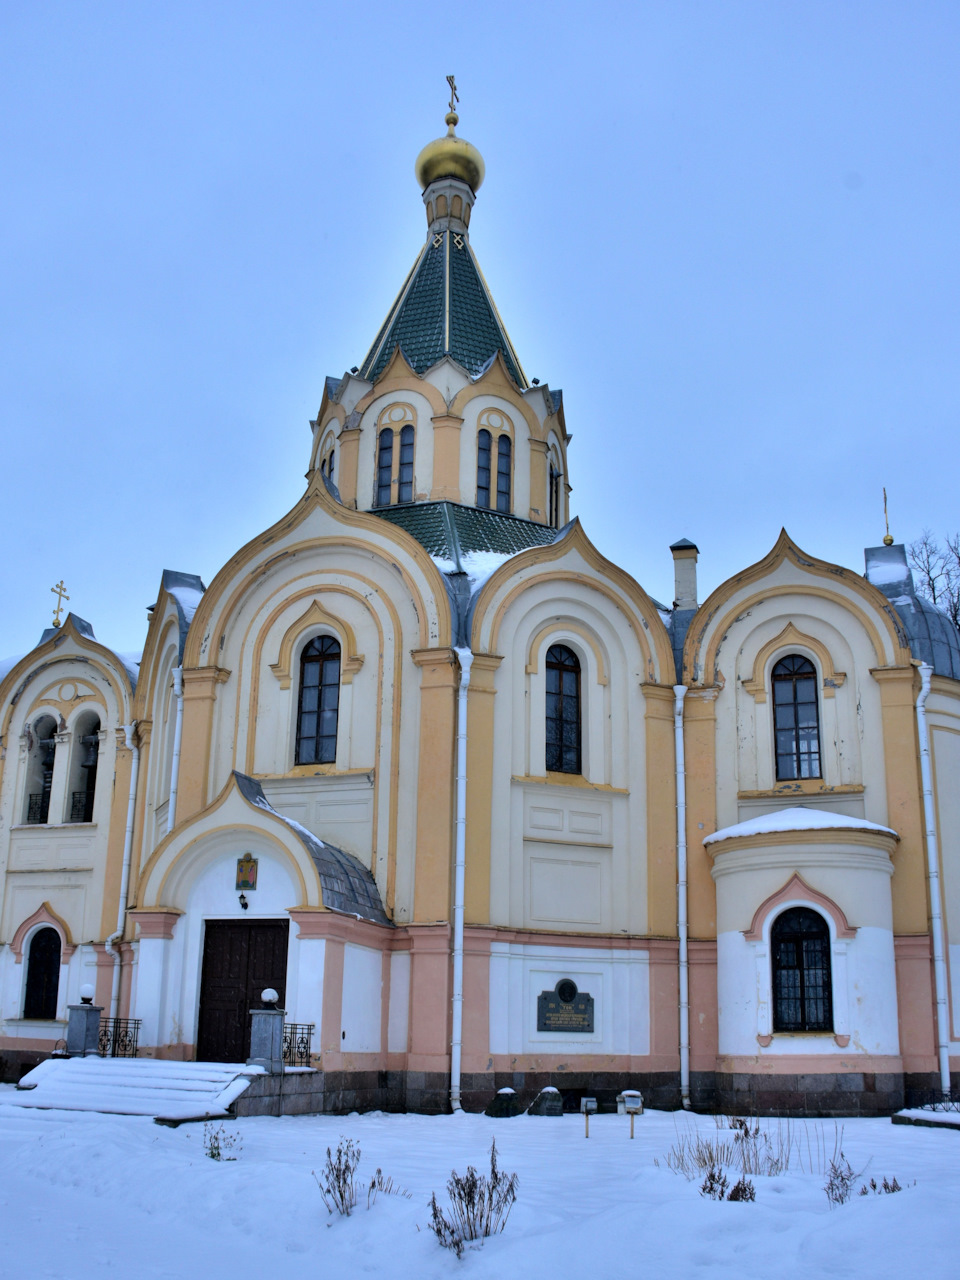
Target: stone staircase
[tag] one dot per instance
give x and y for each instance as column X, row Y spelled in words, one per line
column 169, row 1091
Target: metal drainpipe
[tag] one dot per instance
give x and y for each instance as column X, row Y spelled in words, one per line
column 129, row 730
column 679, row 693
column 177, row 734
column 465, row 658
column 933, row 879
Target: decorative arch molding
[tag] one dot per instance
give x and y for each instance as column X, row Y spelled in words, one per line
column 791, row 638
column 643, row 618
column 241, row 573
column 230, row 812
column 559, row 628
column 398, row 375
column 497, row 382
column 317, row 616
column 66, row 697
column 44, row 916
column 797, row 892
column 697, row 672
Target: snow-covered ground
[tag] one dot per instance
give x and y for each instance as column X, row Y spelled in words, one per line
column 85, row 1196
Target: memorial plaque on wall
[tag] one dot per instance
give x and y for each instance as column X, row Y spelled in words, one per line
column 565, row 1009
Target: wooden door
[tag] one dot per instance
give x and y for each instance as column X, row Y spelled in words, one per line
column 240, row 959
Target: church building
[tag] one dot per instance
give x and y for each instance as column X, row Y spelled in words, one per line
column 481, row 811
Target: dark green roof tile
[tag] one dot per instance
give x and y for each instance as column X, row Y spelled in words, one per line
column 445, row 285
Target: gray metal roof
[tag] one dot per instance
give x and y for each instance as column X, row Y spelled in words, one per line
column 931, row 634
column 346, row 884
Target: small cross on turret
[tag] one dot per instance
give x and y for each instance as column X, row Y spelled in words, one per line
column 60, row 591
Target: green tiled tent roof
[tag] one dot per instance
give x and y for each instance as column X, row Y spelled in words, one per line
column 449, row 530
column 443, row 309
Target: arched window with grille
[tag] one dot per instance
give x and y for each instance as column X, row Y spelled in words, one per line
column 483, row 468
column 796, row 718
column 405, row 475
column 503, row 474
column 563, row 710
column 554, row 495
column 802, row 987
column 43, row 975
column 384, row 467
column 319, row 702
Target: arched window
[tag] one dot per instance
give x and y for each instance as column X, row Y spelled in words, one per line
column 319, row 702
column 554, row 496
column 384, row 467
column 83, row 768
column 563, row 710
column 503, row 474
column 43, row 975
column 42, row 744
column 802, row 991
column 405, row 477
column 796, row 719
column 483, row 468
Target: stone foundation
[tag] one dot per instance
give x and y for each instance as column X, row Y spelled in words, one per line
column 842, row 1093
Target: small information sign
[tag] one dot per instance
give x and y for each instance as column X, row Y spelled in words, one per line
column 565, row 1009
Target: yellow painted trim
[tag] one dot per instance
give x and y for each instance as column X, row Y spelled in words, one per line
column 645, row 622
column 784, row 548
column 317, row 616
column 215, row 600
column 561, row 624
column 803, row 787
column 790, row 638
column 398, row 375
column 497, row 382
column 568, row 780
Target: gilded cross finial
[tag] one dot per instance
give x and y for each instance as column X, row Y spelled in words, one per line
column 60, row 591
column 887, row 537
column 454, row 96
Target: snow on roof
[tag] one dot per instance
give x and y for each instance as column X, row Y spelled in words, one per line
column 797, row 818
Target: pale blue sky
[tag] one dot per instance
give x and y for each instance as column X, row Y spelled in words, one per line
column 727, row 230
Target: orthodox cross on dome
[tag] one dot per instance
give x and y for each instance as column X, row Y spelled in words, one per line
column 454, row 96
column 887, row 537
column 60, row 591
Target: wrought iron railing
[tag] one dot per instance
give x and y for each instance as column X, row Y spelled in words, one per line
column 118, row 1037
column 296, row 1043
column 38, row 806
column 81, row 806
column 934, row 1101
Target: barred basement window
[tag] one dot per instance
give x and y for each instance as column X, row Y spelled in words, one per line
column 43, row 975
column 802, row 987
column 319, row 702
column 563, row 710
column 796, row 718
column 483, row 468
column 503, row 474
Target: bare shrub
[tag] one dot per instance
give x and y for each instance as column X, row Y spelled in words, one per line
column 479, row 1206
column 218, row 1144
column 840, row 1179
column 754, row 1149
column 743, row 1190
column 714, row 1185
column 886, row 1188
column 336, row 1183
column 379, row 1183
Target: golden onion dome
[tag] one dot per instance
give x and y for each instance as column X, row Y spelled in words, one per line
column 450, row 157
